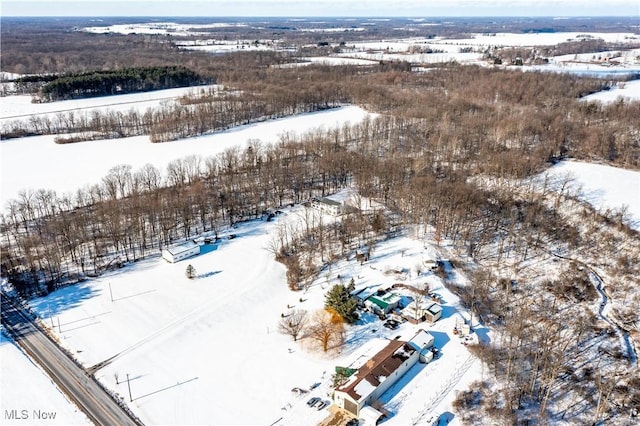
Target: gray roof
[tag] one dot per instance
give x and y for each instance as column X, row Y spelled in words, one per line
column 329, row 201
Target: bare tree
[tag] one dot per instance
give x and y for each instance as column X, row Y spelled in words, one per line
column 419, row 293
column 327, row 328
column 293, row 323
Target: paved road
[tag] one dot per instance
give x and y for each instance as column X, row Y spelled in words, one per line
column 92, row 399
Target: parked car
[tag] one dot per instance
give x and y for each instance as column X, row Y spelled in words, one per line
column 391, row 324
column 352, row 422
column 298, row 391
column 313, row 401
column 436, row 352
column 321, row 405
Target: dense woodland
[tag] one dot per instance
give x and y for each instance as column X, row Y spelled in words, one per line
column 443, row 155
column 110, row 82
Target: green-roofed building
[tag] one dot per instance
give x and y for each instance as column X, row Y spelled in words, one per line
column 385, row 302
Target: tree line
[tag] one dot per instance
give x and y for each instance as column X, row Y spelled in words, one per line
column 111, row 82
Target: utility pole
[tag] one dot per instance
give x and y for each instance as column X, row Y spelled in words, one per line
column 110, row 292
column 50, row 317
column 59, row 330
column 129, row 386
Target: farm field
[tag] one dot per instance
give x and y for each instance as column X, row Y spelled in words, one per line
column 603, row 186
column 58, row 166
column 21, row 107
column 628, row 91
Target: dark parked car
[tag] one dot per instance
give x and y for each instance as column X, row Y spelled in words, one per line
column 391, row 324
column 352, row 422
column 313, row 401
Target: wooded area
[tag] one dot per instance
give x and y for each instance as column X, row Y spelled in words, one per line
column 112, row 82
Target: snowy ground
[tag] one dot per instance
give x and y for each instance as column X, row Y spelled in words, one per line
column 328, row 60
column 163, row 28
column 213, row 341
column 605, row 187
column 628, row 91
column 27, row 394
column 20, row 108
column 67, row 167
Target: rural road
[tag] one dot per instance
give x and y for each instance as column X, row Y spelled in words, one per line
column 81, row 388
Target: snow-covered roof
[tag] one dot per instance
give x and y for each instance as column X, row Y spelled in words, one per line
column 422, row 340
column 434, row 308
column 370, row 415
column 328, row 201
column 363, row 293
column 181, row 248
column 384, row 300
column 378, row 369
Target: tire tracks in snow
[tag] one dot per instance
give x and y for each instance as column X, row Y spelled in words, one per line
column 444, row 390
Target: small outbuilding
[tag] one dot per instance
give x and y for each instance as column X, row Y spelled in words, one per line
column 433, row 312
column 176, row 253
column 384, row 303
column 427, row 311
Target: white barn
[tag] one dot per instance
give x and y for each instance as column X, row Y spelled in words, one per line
column 179, row 252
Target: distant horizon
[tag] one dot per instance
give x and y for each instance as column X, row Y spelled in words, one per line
column 321, row 9
column 346, row 17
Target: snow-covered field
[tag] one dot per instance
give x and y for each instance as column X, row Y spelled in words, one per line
column 221, row 46
column 402, row 49
column 27, row 394
column 605, row 187
column 539, row 39
column 328, row 60
column 68, row 167
column 627, row 91
column 20, row 108
column 160, row 28
column 618, row 62
column 213, row 341
column 417, row 58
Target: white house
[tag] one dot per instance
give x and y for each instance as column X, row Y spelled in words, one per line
column 179, row 252
column 379, row 373
column 427, row 311
column 327, row 205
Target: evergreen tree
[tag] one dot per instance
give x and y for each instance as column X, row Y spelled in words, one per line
column 340, row 300
column 190, row 272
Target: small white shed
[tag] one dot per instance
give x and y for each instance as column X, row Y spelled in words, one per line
column 433, row 312
column 179, row 252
